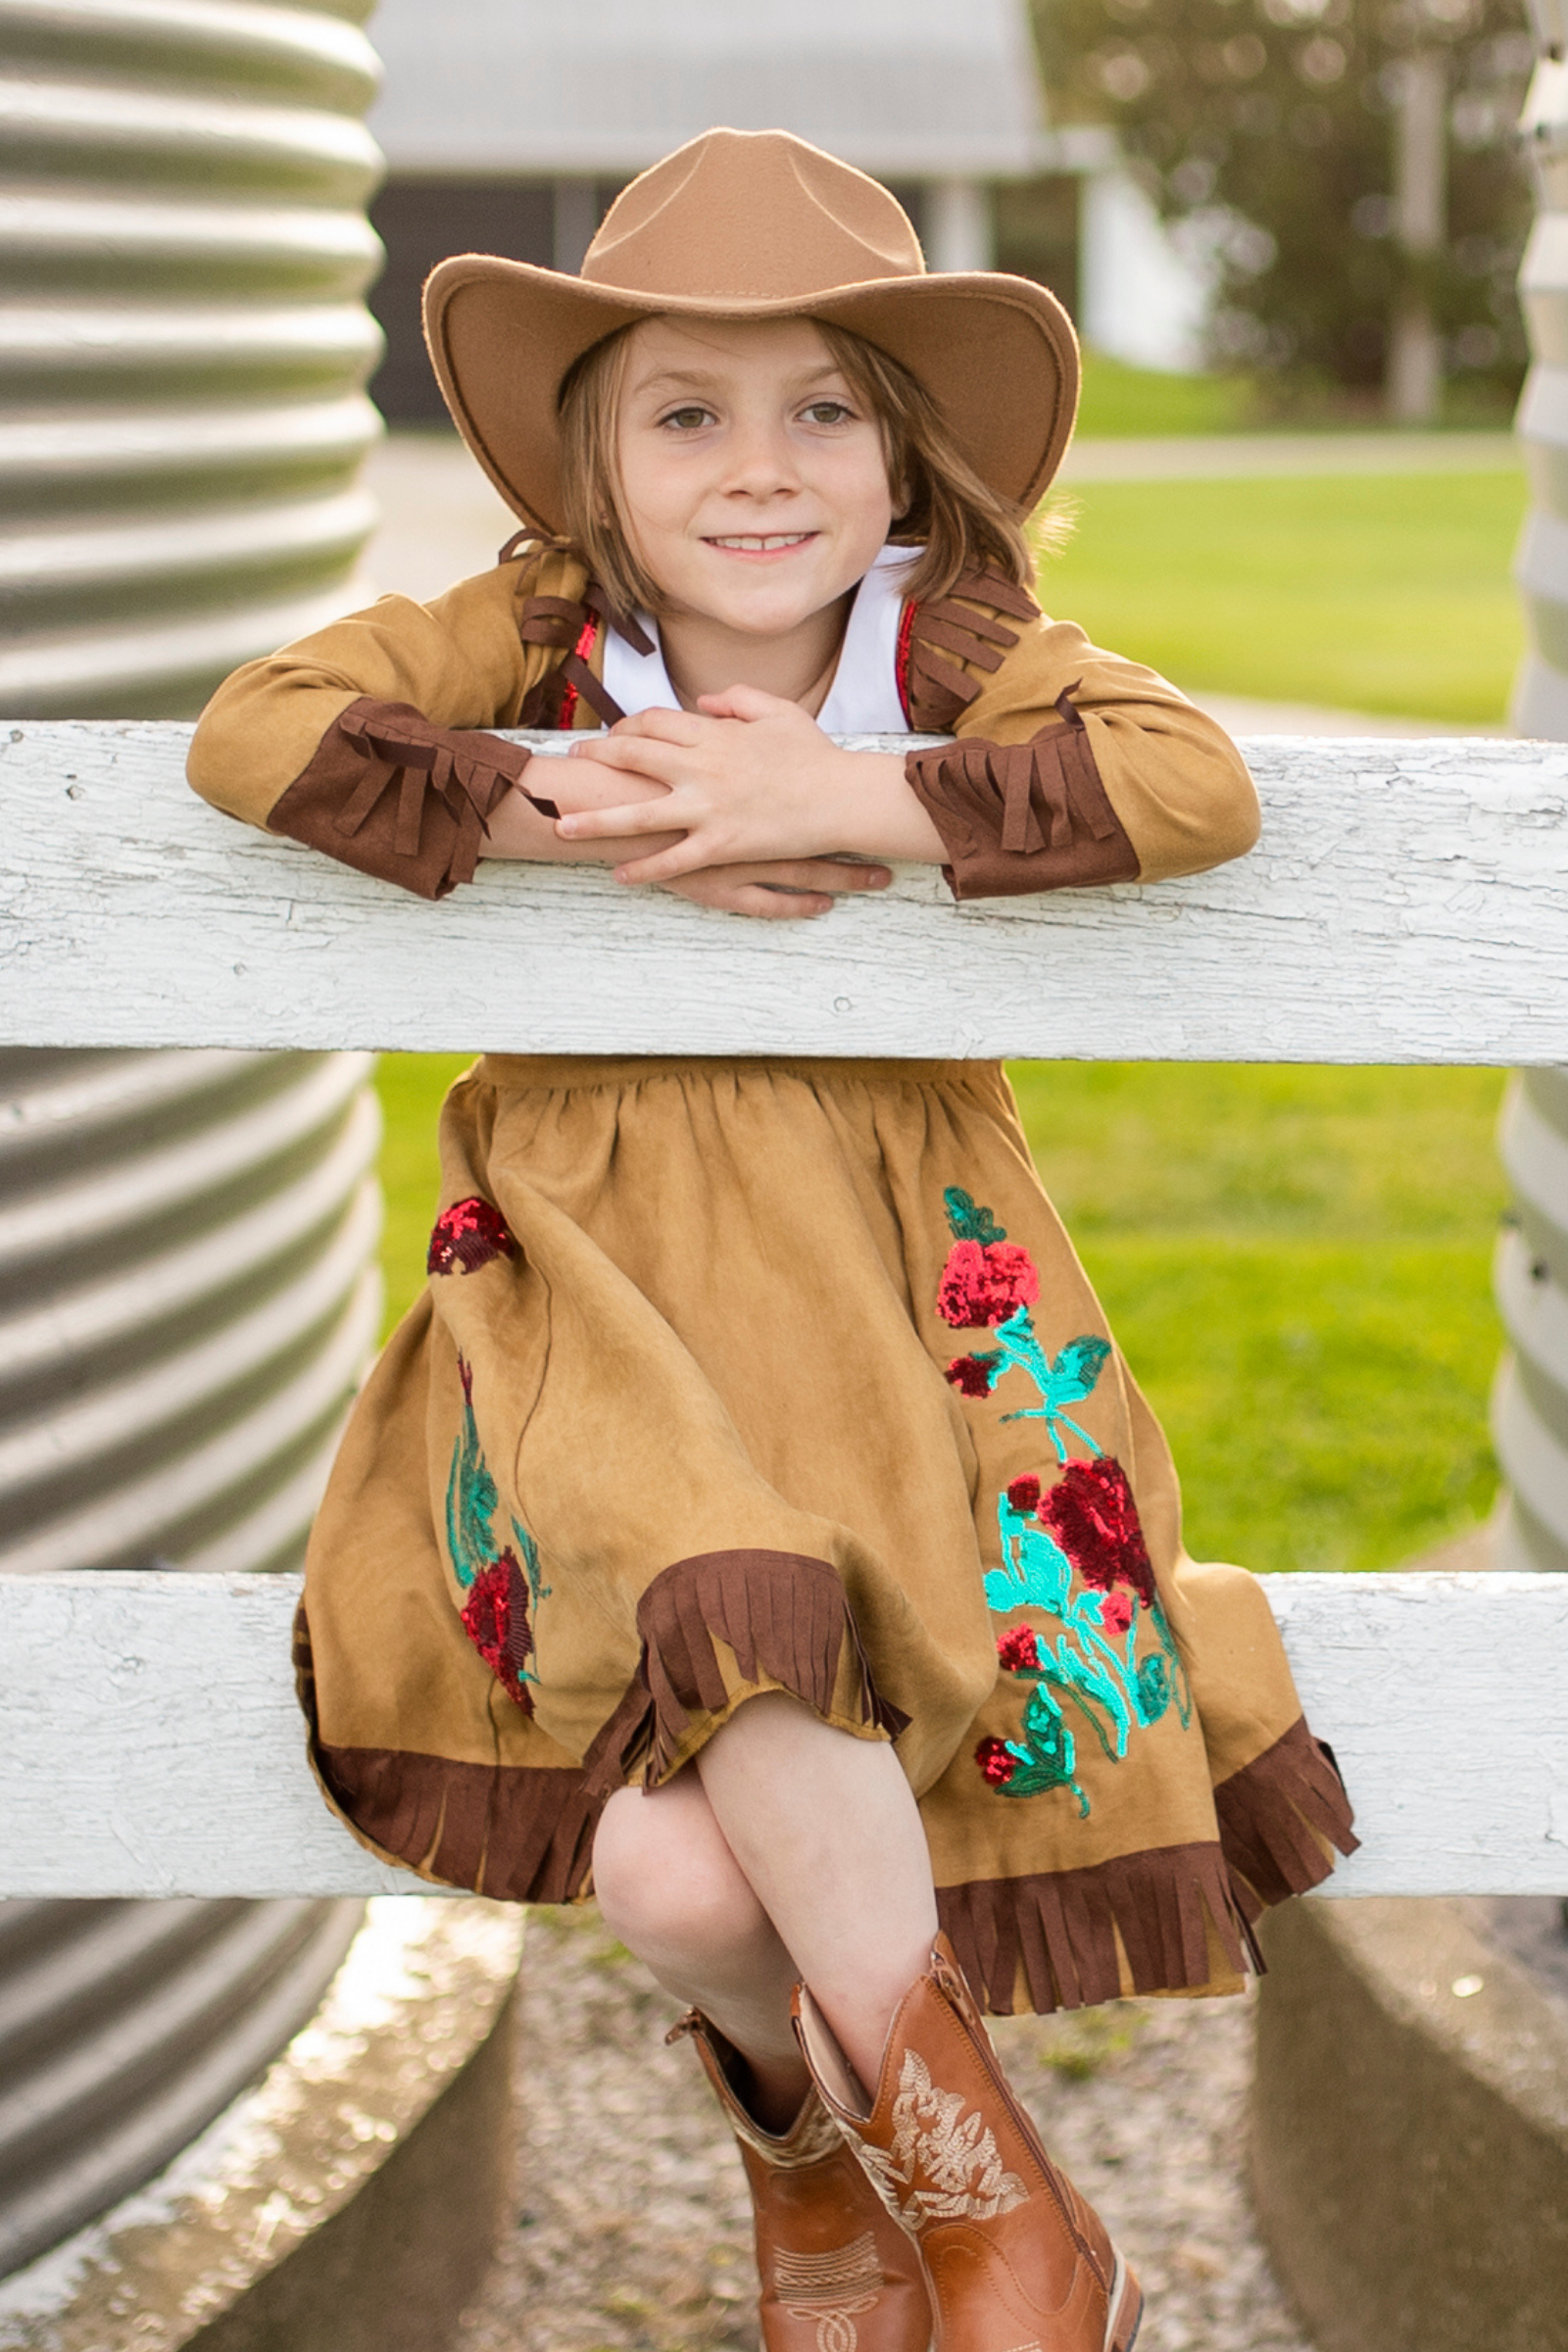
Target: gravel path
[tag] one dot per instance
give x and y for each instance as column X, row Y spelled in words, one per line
column 633, row 2227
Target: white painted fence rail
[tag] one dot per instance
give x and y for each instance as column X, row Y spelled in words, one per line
column 1409, row 902
column 150, row 1743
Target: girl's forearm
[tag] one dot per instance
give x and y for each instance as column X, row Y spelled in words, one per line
column 520, row 830
column 882, row 817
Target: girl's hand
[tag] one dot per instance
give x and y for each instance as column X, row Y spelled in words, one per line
column 775, row 891
column 780, row 890
column 748, row 777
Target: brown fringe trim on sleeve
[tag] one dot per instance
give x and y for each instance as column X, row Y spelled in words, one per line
column 393, row 795
column 1023, row 817
column 560, row 622
column 1060, row 1928
column 524, row 1833
column 1268, row 1813
column 782, row 1614
column 939, row 692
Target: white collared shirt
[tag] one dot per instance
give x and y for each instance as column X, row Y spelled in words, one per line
column 863, row 698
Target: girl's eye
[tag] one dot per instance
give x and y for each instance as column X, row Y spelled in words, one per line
column 827, row 412
column 687, row 420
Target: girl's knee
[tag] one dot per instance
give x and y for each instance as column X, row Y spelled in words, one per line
column 663, row 1875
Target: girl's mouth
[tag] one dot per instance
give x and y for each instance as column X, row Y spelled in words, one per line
column 759, row 543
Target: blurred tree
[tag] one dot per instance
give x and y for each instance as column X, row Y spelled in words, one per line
column 1293, row 141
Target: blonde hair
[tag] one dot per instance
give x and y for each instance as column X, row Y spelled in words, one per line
column 961, row 521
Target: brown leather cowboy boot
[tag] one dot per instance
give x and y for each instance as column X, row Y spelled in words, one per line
column 1017, row 2261
column 837, row 2274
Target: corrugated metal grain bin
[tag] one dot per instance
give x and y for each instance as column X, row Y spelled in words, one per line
column 1530, row 1407
column 183, row 346
column 187, row 1278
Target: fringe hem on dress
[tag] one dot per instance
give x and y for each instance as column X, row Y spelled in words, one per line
column 783, row 1616
column 1278, row 1816
column 1066, row 1931
column 524, row 1833
column 520, row 1832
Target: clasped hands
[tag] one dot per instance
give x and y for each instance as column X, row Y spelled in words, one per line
column 762, row 804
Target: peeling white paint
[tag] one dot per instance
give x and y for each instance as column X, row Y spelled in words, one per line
column 1409, row 902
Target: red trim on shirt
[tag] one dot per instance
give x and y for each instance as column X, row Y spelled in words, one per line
column 583, row 650
column 900, row 656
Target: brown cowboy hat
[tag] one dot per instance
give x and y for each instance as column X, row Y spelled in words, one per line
column 752, row 224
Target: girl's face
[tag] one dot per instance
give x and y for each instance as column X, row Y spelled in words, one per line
column 754, row 485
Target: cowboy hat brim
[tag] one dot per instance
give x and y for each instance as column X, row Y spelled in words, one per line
column 997, row 354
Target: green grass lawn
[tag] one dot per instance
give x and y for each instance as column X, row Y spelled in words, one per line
column 1295, row 1261
column 1381, row 592
column 1146, row 402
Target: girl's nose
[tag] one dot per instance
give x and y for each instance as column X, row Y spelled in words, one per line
column 760, row 463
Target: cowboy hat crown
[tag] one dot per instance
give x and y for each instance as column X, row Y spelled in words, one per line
column 752, row 224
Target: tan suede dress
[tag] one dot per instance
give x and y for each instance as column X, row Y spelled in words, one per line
column 736, row 1376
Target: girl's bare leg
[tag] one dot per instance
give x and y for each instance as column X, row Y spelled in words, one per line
column 827, row 1833
column 796, row 1852
column 670, row 1888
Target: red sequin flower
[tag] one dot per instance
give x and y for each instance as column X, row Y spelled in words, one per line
column 972, row 1375
column 1019, row 1651
column 986, row 1282
column 468, row 1236
column 1023, row 1495
column 996, row 1762
column 495, row 1618
column 1092, row 1514
column 1115, row 1612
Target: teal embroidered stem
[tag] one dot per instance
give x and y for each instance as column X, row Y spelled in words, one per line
column 1089, row 1631
column 1085, row 1680
column 1183, row 1688
column 1050, row 1414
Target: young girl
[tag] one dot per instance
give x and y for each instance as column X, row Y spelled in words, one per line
column 754, row 1519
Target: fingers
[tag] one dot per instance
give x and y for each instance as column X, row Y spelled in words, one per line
column 655, row 725
column 821, row 874
column 723, row 888
column 666, row 866
column 607, row 824
column 576, row 785
column 778, row 906
column 790, row 879
column 653, row 756
column 746, row 702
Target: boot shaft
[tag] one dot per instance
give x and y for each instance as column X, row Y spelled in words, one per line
column 837, row 2274
column 1017, row 2258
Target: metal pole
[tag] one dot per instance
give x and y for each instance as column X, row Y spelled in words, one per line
column 1420, row 175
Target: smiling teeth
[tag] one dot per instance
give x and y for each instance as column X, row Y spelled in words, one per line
column 762, row 546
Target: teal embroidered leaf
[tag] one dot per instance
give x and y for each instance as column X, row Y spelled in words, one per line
column 1153, row 1687
column 501, row 1591
column 471, row 1503
column 1038, row 1572
column 537, row 1588
column 1053, row 1754
column 1076, row 1369
column 966, row 1222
